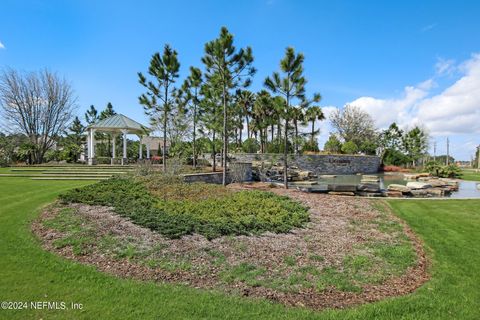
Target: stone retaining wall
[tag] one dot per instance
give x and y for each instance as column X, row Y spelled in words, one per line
column 319, row 164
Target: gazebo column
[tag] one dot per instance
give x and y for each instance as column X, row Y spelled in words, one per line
column 148, row 151
column 91, row 147
column 124, row 159
column 140, row 153
column 114, row 137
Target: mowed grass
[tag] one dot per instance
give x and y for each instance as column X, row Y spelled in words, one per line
column 450, row 230
column 470, row 174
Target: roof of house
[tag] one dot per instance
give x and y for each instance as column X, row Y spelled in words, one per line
column 119, row 122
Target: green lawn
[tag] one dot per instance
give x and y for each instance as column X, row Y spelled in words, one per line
column 469, row 174
column 450, row 230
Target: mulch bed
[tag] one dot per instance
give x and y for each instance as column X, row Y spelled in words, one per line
column 329, row 233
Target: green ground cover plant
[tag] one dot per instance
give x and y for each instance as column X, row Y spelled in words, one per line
column 174, row 209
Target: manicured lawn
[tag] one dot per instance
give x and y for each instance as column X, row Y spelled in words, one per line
column 450, row 230
column 470, row 174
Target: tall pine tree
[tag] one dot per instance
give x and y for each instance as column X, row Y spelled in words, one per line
column 158, row 100
column 232, row 68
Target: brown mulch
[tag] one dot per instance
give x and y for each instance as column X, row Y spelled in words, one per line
column 329, row 234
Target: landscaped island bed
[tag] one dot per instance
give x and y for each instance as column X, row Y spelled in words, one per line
column 260, row 243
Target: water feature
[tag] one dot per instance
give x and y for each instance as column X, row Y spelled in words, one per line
column 467, row 189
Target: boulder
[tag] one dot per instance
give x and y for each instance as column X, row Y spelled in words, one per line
column 368, row 187
column 342, row 187
column 341, row 193
column 305, row 183
column 418, row 185
column 398, row 187
column 419, row 193
column 394, row 194
column 370, row 177
column 478, row 186
column 410, row 176
column 327, row 176
column 305, row 175
column 423, row 175
column 369, row 194
column 435, row 192
column 436, row 183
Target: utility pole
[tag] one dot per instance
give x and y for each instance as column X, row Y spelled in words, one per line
column 448, row 151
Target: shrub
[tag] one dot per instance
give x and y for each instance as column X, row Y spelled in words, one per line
column 349, row 147
column 174, row 209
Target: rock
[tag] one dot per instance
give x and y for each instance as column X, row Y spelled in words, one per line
column 369, row 194
column 370, row 177
column 478, row 186
column 327, row 176
column 305, row 174
column 398, row 187
column 419, row 193
column 342, row 187
column 435, row 192
column 449, row 182
column 423, row 175
column 436, row 183
column 410, row 176
column 341, row 193
column 418, row 185
column 306, row 183
column 394, row 194
column 369, row 187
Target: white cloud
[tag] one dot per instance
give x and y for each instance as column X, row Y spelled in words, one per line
column 1, row 45
column 455, row 110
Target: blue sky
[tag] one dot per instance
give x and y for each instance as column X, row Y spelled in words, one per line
column 409, row 61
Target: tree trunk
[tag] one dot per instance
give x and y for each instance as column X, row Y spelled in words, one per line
column 272, row 127
column 285, row 154
column 214, row 153
column 295, row 121
column 225, row 137
column 165, row 114
column 313, row 131
column 248, row 127
column 194, row 136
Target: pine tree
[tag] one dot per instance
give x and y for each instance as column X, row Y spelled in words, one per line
column 190, row 93
column 91, row 116
column 291, row 86
column 232, row 69
column 157, row 102
column 107, row 112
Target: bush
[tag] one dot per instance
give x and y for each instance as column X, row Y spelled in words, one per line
column 180, row 208
column 349, row 147
column 250, row 145
column 450, row 171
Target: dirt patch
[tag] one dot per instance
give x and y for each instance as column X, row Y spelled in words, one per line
column 332, row 262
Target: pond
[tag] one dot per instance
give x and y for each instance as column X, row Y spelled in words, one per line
column 467, row 189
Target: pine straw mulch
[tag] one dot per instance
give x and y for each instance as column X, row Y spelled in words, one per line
column 338, row 228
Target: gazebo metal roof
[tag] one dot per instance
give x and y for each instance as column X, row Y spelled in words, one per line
column 117, row 123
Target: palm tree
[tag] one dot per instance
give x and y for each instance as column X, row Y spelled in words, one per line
column 245, row 99
column 311, row 115
column 297, row 115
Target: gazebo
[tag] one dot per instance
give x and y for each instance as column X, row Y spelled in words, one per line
column 115, row 125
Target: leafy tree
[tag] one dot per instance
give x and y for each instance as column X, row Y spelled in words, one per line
column 415, row 144
column 231, row 68
column 190, row 93
column 37, row 104
column 250, row 146
column 158, row 100
column 313, row 114
column 261, row 116
column 353, row 124
column 349, row 147
column 333, row 145
column 291, row 86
